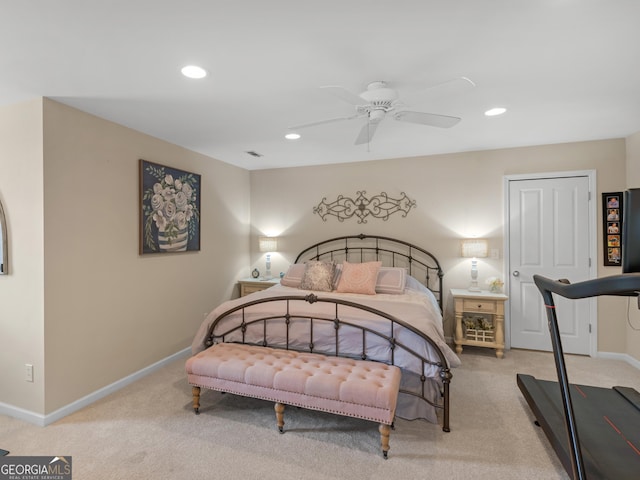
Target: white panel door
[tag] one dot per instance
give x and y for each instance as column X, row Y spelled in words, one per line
column 549, row 236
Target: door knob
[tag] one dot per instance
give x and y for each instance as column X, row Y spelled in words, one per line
column 516, row 273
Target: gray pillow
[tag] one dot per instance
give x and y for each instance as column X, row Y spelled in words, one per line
column 318, row 276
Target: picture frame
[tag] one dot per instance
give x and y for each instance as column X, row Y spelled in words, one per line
column 612, row 210
column 169, row 209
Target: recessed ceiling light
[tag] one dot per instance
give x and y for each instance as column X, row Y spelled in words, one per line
column 292, row 136
column 193, row 71
column 495, row 111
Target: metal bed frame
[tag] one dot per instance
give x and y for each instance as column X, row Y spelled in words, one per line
column 388, row 332
column 390, row 251
column 363, row 248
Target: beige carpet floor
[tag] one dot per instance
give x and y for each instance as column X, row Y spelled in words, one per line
column 149, row 431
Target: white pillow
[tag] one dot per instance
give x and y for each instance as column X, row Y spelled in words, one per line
column 391, row 280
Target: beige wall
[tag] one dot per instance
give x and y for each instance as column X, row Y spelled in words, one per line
column 632, row 330
column 21, row 292
column 633, row 161
column 109, row 312
column 86, row 310
column 457, row 195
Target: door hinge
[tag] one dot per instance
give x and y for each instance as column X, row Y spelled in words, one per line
column 589, row 196
column 589, row 328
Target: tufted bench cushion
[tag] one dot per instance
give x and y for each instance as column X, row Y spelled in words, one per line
column 344, row 386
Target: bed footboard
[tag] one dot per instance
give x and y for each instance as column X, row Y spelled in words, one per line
column 337, row 327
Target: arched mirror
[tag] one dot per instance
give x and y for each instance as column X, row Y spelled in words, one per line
column 4, row 253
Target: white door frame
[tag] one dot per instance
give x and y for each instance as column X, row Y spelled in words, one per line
column 593, row 245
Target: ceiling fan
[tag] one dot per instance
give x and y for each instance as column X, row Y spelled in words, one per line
column 376, row 102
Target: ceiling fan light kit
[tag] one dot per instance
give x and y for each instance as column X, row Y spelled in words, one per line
column 374, row 103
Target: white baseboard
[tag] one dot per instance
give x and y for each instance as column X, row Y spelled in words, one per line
column 44, row 420
column 620, row 356
column 21, row 414
column 623, row 357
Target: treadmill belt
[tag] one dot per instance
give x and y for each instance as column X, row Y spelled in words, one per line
column 631, row 395
column 607, row 420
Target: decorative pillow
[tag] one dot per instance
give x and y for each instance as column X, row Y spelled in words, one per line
column 358, row 278
column 391, row 280
column 318, row 276
column 336, row 276
column 293, row 277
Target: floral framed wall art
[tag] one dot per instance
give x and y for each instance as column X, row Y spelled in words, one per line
column 169, row 209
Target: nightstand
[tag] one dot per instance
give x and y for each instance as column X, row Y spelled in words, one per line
column 479, row 319
column 251, row 285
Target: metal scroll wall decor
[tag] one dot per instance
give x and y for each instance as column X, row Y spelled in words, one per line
column 378, row 206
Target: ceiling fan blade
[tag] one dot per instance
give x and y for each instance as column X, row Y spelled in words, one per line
column 366, row 133
column 322, row 122
column 416, row 93
column 345, row 95
column 458, row 82
column 431, row 119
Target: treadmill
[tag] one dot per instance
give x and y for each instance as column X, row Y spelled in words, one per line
column 594, row 431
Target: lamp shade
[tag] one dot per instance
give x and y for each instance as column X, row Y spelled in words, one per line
column 268, row 244
column 474, row 248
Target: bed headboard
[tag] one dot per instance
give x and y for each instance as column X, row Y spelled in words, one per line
column 420, row 264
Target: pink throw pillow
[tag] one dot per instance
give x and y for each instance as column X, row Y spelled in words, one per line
column 293, row 277
column 359, row 278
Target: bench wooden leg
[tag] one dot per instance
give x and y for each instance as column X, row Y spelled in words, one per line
column 279, row 408
column 384, row 438
column 195, row 391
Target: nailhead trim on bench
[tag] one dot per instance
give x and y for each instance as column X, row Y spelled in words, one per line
column 344, row 386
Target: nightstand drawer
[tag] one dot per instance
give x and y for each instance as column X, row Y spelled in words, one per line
column 470, row 305
column 247, row 289
column 252, row 285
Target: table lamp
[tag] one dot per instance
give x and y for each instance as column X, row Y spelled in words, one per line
column 268, row 245
column 474, row 248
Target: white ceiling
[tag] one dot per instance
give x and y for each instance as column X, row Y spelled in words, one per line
column 567, row 70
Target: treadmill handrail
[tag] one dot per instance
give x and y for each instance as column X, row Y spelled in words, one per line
column 547, row 287
column 626, row 284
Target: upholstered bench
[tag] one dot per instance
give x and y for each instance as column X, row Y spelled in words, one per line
column 344, row 386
